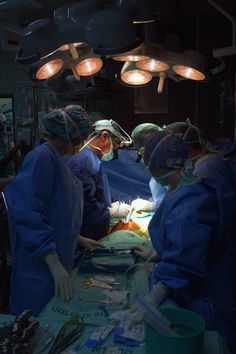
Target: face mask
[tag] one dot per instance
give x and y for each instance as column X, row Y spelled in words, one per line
column 109, row 155
column 162, row 180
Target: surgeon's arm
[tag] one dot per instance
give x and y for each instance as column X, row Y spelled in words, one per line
column 28, row 198
column 62, row 278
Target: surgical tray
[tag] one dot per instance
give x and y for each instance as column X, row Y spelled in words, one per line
column 109, row 260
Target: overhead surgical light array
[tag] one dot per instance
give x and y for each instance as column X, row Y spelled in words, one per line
column 150, row 60
column 82, row 34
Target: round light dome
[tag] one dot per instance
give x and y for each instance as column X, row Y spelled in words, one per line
column 49, row 69
column 152, row 65
column 189, row 73
column 136, row 77
column 89, row 66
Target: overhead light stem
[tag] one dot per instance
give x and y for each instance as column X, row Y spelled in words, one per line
column 75, row 72
column 73, row 51
column 162, row 77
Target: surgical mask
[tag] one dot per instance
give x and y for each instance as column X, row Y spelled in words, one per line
column 105, row 156
column 162, row 179
column 109, row 155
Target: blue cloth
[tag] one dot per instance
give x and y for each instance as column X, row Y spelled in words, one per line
column 195, row 255
column 89, row 169
column 45, row 204
column 158, row 192
column 127, row 178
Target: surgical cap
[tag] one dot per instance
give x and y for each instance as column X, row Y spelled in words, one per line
column 164, row 151
column 109, row 125
column 140, row 133
column 180, row 128
column 69, row 123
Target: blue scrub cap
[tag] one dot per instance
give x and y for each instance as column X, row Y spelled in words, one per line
column 69, row 123
column 164, row 151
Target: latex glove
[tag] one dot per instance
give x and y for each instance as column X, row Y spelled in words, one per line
column 158, row 294
column 143, row 252
column 140, row 204
column 62, row 278
column 119, row 210
column 89, row 243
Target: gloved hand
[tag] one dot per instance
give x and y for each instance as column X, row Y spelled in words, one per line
column 143, row 252
column 62, row 278
column 140, row 204
column 89, row 243
column 158, row 294
column 119, row 210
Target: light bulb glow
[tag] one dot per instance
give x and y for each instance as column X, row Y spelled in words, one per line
column 49, row 69
column 189, row 73
column 152, row 65
column 130, row 57
column 89, row 66
column 136, row 77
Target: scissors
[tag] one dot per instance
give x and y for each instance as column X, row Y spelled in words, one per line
column 69, row 332
column 96, row 283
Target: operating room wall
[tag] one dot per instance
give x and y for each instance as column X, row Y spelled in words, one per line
column 187, row 99
column 12, row 79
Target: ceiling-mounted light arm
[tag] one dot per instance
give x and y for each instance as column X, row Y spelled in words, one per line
column 228, row 15
column 73, row 51
column 162, row 77
column 226, row 50
column 76, row 75
column 19, row 4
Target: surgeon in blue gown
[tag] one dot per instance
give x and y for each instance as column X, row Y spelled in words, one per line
column 189, row 233
column 45, row 203
column 207, row 163
column 139, row 134
column 88, row 167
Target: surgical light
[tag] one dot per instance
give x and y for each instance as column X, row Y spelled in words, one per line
column 49, row 69
column 152, row 65
column 89, row 66
column 189, row 73
column 133, row 76
column 130, row 57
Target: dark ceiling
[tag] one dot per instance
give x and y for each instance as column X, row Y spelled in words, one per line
column 30, row 10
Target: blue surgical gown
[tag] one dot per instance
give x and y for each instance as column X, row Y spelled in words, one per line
column 128, row 179
column 220, row 175
column 195, row 255
column 89, row 169
column 158, row 192
column 45, row 203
